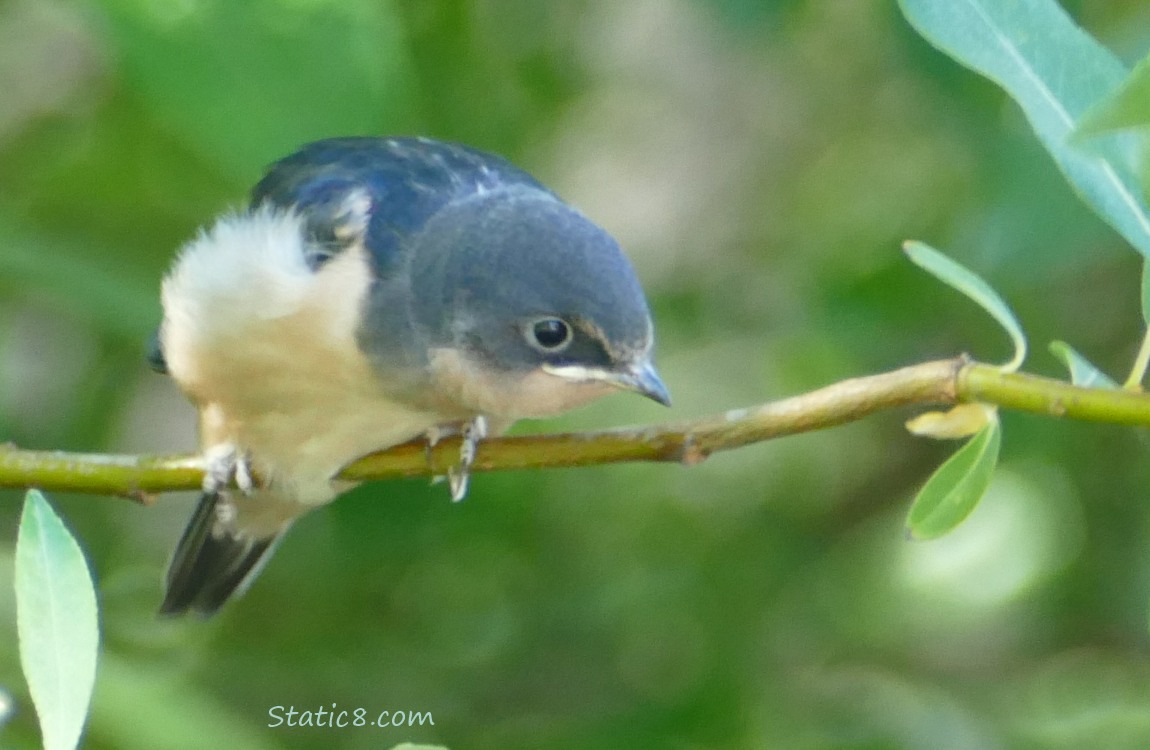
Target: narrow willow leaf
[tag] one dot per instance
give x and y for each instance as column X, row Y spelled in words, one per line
column 1056, row 72
column 1082, row 371
column 1128, row 107
column 955, row 488
column 56, row 623
column 970, row 284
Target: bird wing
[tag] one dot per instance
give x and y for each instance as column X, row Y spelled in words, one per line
column 387, row 188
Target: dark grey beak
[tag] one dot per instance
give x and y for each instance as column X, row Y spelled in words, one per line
column 640, row 378
column 645, row 381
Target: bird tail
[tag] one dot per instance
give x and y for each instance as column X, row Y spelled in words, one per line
column 214, row 561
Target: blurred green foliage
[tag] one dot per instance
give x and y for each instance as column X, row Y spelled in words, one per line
column 761, row 162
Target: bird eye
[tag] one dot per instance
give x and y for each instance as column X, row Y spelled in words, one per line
column 549, row 334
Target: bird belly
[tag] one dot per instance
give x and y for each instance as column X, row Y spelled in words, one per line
column 266, row 348
column 299, row 451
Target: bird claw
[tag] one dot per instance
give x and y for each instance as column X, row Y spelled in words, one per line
column 459, row 476
column 224, row 464
column 432, row 438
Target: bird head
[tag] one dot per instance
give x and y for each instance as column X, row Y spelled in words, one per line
column 530, row 308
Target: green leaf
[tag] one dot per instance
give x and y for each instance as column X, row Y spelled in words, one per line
column 56, row 622
column 1056, row 72
column 955, row 487
column 1126, row 108
column 1082, row 371
column 970, row 284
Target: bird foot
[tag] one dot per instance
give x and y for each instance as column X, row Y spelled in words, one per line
column 459, row 476
column 224, row 464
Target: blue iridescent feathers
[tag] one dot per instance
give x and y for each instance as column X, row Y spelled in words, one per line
column 405, row 182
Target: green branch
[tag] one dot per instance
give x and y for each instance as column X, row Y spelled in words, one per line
column 1053, row 398
column 949, row 381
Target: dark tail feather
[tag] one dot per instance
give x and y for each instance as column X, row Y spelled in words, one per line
column 212, row 562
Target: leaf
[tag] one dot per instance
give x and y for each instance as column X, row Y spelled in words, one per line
column 1056, row 72
column 1128, row 107
column 955, row 488
column 970, row 284
column 56, row 622
column 959, row 421
column 1082, row 371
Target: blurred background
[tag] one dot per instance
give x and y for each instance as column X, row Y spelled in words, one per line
column 761, row 163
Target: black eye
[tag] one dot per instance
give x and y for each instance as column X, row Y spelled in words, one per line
column 550, row 334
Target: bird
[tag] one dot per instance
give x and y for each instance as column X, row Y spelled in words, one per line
column 374, row 291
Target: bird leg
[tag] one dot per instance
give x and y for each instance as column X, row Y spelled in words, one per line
column 226, row 463
column 459, row 476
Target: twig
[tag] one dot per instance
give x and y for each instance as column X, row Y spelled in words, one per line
column 941, row 382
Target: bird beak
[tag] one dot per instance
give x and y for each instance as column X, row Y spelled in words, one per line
column 640, row 378
column 643, row 379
